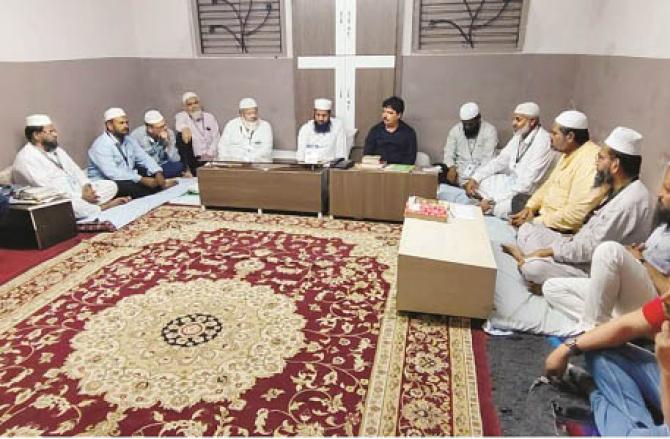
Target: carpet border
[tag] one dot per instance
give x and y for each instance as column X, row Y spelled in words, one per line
column 489, row 411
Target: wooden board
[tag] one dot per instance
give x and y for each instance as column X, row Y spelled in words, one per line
column 271, row 187
column 377, row 195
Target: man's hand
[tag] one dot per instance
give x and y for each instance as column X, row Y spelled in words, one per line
column 523, row 216
column 88, row 194
column 662, row 343
column 471, row 187
column 115, row 202
column 636, row 250
column 542, row 253
column 149, row 182
column 557, row 362
column 452, row 175
column 486, row 206
column 160, row 180
column 186, row 135
column 514, row 252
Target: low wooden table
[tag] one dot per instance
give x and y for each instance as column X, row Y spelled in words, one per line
column 377, row 194
column 447, row 268
column 284, row 187
column 37, row 225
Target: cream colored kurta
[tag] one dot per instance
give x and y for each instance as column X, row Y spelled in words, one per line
column 321, row 147
column 241, row 144
column 564, row 200
column 56, row 170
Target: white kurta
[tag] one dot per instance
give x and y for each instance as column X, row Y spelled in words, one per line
column 58, row 171
column 469, row 154
column 240, row 144
column 626, row 218
column 519, row 168
column 321, row 147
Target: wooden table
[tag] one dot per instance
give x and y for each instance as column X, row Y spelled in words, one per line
column 284, row 187
column 37, row 225
column 447, row 267
column 377, row 194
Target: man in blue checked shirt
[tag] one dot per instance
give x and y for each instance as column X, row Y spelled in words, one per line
column 159, row 142
column 116, row 156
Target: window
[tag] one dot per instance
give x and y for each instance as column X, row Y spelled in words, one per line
column 466, row 25
column 239, row 27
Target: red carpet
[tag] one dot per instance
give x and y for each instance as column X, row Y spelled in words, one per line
column 218, row 323
column 15, row 262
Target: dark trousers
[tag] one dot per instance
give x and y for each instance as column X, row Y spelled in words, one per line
column 128, row 188
column 172, row 169
column 187, row 157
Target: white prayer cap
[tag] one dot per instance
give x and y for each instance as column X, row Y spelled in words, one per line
column 153, row 116
column 323, row 104
column 113, row 113
column 38, row 120
column 247, row 103
column 573, row 119
column 625, row 140
column 188, row 95
column 469, row 111
column 530, row 109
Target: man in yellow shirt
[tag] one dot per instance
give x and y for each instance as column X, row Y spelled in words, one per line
column 564, row 200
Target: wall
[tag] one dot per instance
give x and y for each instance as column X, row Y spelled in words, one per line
column 546, row 79
column 77, row 57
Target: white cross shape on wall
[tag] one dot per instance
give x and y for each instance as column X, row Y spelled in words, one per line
column 346, row 62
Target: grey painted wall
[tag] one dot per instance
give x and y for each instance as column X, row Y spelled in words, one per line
column 612, row 90
column 76, row 93
column 434, row 88
column 633, row 92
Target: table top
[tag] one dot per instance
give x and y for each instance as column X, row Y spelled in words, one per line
column 459, row 240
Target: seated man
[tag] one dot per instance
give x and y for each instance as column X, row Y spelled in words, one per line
column 246, row 138
column 321, row 139
column 470, row 144
column 517, row 172
column 41, row 162
column 392, row 139
column 564, row 200
column 628, row 379
column 158, row 141
column 197, row 133
column 622, row 278
column 625, row 215
column 114, row 155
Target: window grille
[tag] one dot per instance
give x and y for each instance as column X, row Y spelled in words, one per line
column 468, row 24
column 239, row 27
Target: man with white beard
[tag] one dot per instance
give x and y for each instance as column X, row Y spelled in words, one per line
column 246, row 138
column 322, row 138
column 518, row 170
column 197, row 133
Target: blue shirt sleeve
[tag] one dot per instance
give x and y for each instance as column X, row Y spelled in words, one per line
column 141, row 157
column 105, row 156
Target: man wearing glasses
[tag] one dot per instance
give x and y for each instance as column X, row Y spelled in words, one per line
column 159, row 142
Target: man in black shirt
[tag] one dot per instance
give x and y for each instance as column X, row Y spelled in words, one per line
column 392, row 139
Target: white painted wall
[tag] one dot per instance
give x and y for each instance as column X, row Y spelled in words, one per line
column 41, row 30
column 636, row 28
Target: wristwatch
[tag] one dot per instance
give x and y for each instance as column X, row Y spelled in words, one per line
column 573, row 349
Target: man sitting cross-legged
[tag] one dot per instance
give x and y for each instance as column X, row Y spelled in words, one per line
column 624, row 215
column 41, row 162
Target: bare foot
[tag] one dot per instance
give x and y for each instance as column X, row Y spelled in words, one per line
column 535, row 288
column 514, row 252
column 115, row 202
column 170, row 182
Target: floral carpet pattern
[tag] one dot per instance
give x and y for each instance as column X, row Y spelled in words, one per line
column 194, row 322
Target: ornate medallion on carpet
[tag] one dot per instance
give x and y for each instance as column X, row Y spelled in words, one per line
column 218, row 323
